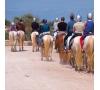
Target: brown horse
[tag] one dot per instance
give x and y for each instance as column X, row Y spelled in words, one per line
column 59, row 44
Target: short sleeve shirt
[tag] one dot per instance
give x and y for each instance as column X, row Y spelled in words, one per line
column 79, row 27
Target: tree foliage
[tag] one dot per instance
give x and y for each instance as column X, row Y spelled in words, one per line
column 7, row 23
column 27, row 19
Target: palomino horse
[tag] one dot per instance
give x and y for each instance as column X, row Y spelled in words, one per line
column 59, row 43
column 76, row 53
column 89, row 52
column 13, row 40
column 21, row 38
column 34, row 38
column 46, row 50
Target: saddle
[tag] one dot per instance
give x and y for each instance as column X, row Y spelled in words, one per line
column 47, row 34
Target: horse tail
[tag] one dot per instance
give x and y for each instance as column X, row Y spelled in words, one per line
column 79, row 56
column 47, row 46
column 33, row 39
column 91, row 54
column 11, row 37
column 21, row 38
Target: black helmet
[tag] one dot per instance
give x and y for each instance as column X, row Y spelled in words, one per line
column 44, row 21
column 72, row 16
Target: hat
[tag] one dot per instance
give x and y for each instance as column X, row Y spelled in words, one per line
column 34, row 19
column 12, row 23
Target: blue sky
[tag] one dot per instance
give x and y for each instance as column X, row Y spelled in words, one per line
column 49, row 9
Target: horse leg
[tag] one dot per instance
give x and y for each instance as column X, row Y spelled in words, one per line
column 51, row 55
column 15, row 42
column 32, row 48
column 51, row 48
column 41, row 53
column 22, row 46
column 19, row 44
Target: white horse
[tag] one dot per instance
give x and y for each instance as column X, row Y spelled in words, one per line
column 89, row 52
column 46, row 51
column 21, row 38
column 54, row 38
column 77, row 60
column 13, row 40
column 34, row 38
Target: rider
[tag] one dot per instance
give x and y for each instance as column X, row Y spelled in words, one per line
column 69, row 29
column 55, row 25
column 34, row 25
column 13, row 27
column 61, row 26
column 89, row 29
column 45, row 28
column 20, row 26
column 78, row 29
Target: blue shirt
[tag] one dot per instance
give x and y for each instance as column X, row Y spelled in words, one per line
column 55, row 26
column 45, row 28
column 70, row 26
column 89, row 26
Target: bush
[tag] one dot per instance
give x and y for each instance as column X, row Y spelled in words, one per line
column 6, row 36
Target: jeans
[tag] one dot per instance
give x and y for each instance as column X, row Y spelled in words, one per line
column 66, row 37
column 40, row 38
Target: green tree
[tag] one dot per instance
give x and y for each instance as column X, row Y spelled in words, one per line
column 7, row 23
column 16, row 19
column 51, row 26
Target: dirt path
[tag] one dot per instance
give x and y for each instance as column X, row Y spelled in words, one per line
column 25, row 71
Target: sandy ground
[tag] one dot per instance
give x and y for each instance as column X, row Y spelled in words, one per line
column 25, row 71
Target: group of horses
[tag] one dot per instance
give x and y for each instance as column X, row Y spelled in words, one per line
column 81, row 61
column 78, row 60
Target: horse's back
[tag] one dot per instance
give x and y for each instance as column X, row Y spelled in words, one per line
column 21, row 33
column 48, row 41
column 61, row 39
column 89, row 42
column 76, row 43
column 13, row 34
column 47, row 37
